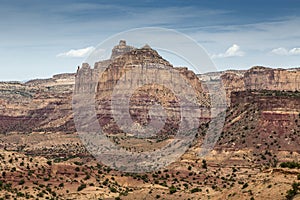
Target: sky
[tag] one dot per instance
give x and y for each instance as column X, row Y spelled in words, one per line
column 40, row 38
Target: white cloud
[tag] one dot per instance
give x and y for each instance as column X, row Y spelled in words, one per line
column 295, row 51
column 77, row 53
column 232, row 51
column 284, row 52
column 280, row 51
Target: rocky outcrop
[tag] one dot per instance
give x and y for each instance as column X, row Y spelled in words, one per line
column 256, row 78
column 37, row 105
column 121, row 49
column 262, row 78
column 57, row 80
column 149, row 78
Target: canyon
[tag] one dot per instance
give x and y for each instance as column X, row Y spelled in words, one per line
column 41, row 149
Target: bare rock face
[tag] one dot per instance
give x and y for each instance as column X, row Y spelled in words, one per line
column 262, row 78
column 232, row 83
column 37, row 105
column 121, row 49
column 256, row 78
column 145, row 77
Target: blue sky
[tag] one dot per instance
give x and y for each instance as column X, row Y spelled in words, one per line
column 39, row 38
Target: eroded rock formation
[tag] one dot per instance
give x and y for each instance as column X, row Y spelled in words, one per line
column 145, row 78
column 256, row 78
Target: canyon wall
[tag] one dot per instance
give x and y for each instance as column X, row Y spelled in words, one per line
column 46, row 104
column 256, row 78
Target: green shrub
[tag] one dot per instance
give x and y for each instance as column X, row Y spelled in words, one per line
column 81, row 187
column 196, row 190
column 204, row 164
column 292, row 192
column 112, row 189
column 172, row 189
column 21, row 182
column 245, row 185
column 291, row 165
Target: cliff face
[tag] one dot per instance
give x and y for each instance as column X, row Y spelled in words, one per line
column 46, row 104
column 149, row 78
column 37, row 105
column 256, row 78
column 261, row 78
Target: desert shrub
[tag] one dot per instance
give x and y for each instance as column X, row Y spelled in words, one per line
column 21, row 182
column 78, row 163
column 290, row 165
column 292, row 192
column 172, row 189
column 41, row 194
column 154, row 175
column 105, row 182
column 196, row 190
column 186, row 185
column 20, row 194
column 87, row 177
column 245, row 186
column 46, row 179
column 204, row 164
column 112, row 189
column 81, row 187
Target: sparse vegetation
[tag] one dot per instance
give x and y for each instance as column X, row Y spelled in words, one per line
column 292, row 192
column 172, row 189
column 291, row 165
column 196, row 190
column 81, row 187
